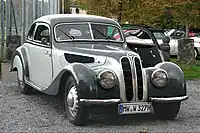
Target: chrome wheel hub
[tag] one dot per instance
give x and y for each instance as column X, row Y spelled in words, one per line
column 72, row 101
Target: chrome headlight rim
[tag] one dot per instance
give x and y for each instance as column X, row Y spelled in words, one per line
column 99, row 78
column 154, row 83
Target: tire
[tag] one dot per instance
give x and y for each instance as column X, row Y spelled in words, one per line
column 77, row 113
column 195, row 53
column 166, row 111
column 23, row 87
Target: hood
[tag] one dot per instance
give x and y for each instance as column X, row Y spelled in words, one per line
column 96, row 52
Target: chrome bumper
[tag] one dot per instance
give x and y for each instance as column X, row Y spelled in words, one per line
column 99, row 101
column 112, row 101
column 167, row 100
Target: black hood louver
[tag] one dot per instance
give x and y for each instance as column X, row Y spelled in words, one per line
column 72, row 58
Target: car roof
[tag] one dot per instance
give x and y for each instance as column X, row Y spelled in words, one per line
column 67, row 18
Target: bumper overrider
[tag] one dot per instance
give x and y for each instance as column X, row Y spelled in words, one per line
column 113, row 101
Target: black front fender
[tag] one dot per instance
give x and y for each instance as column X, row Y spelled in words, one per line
column 88, row 85
column 85, row 79
column 176, row 85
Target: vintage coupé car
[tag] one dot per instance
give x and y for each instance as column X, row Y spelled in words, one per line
column 77, row 56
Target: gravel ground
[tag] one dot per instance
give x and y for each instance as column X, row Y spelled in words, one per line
column 42, row 113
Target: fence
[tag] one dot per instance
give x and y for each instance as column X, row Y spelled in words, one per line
column 17, row 16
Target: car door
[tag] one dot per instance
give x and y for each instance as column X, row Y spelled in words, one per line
column 40, row 57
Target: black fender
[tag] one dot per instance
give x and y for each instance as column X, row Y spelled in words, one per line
column 176, row 84
column 85, row 79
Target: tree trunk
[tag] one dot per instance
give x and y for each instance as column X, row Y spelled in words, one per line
column 187, row 30
column 186, row 51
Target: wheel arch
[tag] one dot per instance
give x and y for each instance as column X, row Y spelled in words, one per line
column 62, row 82
column 21, row 53
column 17, row 65
column 195, row 48
column 84, row 78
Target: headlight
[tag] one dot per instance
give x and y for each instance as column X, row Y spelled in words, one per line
column 107, row 79
column 159, row 78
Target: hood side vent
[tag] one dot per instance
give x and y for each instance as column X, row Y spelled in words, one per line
column 72, row 58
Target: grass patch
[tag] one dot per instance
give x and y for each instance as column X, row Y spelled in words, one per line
column 190, row 71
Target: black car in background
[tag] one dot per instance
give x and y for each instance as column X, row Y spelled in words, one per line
column 135, row 36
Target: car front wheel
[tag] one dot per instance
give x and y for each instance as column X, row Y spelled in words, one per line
column 166, row 110
column 76, row 112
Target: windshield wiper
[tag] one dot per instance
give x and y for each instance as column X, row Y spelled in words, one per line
column 107, row 37
column 71, row 37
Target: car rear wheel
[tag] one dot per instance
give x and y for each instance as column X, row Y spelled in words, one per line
column 166, row 110
column 76, row 112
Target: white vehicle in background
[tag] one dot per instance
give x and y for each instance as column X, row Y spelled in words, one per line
column 175, row 35
column 196, row 44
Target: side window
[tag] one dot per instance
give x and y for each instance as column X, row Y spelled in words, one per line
column 42, row 32
column 31, row 31
column 178, row 34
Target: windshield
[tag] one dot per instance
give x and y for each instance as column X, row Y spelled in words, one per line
column 159, row 35
column 87, row 31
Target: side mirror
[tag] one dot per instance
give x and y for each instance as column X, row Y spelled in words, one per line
column 166, row 39
column 44, row 41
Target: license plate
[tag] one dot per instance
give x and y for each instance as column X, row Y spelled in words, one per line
column 134, row 108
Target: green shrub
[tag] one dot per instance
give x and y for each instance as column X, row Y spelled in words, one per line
column 190, row 71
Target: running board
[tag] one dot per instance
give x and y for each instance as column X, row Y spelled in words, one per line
column 35, row 86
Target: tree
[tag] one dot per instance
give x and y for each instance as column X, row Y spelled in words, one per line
column 107, row 8
column 66, row 6
column 161, row 13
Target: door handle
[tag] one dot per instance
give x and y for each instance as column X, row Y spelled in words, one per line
column 48, row 53
column 152, row 54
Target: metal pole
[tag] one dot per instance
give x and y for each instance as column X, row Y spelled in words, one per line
column 63, row 6
column 53, row 7
column 58, row 7
column 10, row 16
column 7, row 17
column 14, row 17
column 42, row 7
column 49, row 6
column 34, row 7
column 2, row 28
column 23, row 20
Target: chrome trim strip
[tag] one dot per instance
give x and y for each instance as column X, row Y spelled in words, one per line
column 145, row 85
column 134, row 73
column 170, row 99
column 90, row 27
column 130, row 63
column 99, row 101
column 122, row 82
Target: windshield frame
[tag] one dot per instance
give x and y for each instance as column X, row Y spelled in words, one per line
column 155, row 32
column 90, row 29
